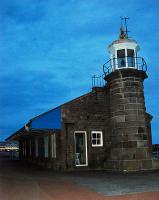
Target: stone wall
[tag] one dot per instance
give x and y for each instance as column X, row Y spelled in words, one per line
column 87, row 113
column 118, row 110
column 129, row 133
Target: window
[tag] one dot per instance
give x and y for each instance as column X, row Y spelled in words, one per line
column 81, row 158
column 97, row 138
column 53, row 145
column 30, row 147
column 140, row 130
column 36, row 148
column 23, row 146
column 46, row 146
column 130, row 58
column 130, row 52
column 121, row 58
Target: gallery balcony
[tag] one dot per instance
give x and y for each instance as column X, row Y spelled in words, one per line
column 124, row 63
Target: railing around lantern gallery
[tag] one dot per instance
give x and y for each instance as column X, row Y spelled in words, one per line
column 98, row 81
column 124, row 62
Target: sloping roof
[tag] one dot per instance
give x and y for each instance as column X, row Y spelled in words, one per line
column 45, row 122
column 59, row 106
column 25, row 133
column 48, row 120
column 16, row 134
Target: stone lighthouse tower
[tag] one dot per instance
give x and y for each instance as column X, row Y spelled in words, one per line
column 129, row 123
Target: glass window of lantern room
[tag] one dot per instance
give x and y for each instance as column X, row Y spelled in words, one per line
column 121, row 58
column 130, row 58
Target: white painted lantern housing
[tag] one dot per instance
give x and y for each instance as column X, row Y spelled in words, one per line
column 123, row 53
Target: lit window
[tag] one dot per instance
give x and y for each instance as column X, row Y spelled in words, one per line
column 97, row 138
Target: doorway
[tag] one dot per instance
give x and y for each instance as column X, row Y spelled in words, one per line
column 81, row 158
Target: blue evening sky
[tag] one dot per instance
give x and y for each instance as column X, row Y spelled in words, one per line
column 49, row 49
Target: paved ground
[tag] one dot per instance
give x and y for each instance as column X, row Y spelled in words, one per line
column 27, row 182
column 116, row 183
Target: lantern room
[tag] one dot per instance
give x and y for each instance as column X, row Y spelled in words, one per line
column 124, row 54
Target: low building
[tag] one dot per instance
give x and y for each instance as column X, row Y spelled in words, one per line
column 107, row 128
column 9, row 146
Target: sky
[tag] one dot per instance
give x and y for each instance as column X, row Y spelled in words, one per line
column 49, row 50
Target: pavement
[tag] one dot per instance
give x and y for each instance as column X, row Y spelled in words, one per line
column 21, row 181
column 111, row 183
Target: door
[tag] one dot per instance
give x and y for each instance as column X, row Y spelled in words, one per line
column 81, row 158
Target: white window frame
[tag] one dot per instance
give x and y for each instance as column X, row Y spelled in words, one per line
column 101, row 138
column 86, row 148
column 123, row 57
column 126, row 58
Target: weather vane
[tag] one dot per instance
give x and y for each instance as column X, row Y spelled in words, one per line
column 125, row 25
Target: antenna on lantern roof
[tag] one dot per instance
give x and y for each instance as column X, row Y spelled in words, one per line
column 124, row 29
